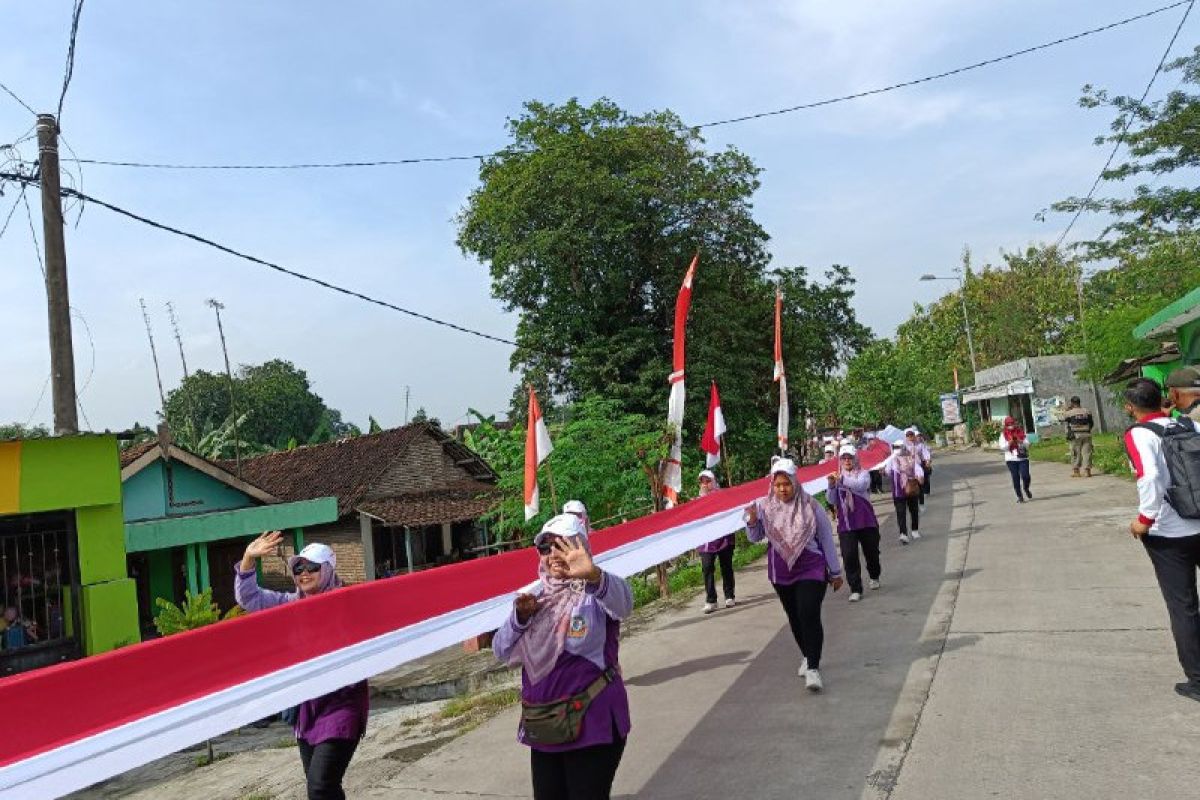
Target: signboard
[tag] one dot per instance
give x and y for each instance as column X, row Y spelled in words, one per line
column 951, row 413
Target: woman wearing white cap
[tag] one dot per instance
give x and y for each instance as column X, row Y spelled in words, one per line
column 577, row 509
column 327, row 728
column 850, row 496
column 906, row 474
column 801, row 562
column 564, row 635
column 718, row 550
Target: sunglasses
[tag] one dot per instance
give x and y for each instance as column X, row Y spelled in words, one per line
column 305, row 566
column 547, row 546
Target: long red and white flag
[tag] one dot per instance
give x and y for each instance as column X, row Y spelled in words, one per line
column 75, row 724
column 780, row 377
column 673, row 469
column 714, row 430
column 537, row 447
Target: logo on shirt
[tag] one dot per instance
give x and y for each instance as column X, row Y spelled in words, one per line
column 578, row 628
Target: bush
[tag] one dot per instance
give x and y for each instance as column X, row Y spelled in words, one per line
column 1108, row 454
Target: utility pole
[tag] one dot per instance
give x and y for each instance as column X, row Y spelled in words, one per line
column 407, row 391
column 216, row 306
column 162, row 398
column 58, row 301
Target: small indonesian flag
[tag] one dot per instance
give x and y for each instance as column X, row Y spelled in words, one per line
column 714, row 430
column 537, row 447
column 780, row 378
column 672, row 477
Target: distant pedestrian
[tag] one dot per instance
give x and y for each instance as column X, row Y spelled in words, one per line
column 564, row 636
column 1016, row 455
column 919, row 451
column 718, row 550
column 802, row 561
column 328, row 728
column 849, row 494
column 1079, row 424
column 925, row 455
column 1171, row 540
column 1183, row 390
column 906, row 475
column 577, row 509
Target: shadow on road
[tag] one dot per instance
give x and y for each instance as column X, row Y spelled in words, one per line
column 685, row 668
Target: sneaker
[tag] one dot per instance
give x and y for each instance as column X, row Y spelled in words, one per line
column 1020, row 499
column 1188, row 689
column 812, row 681
column 874, row 584
column 730, row 602
column 710, row 607
column 803, row 671
column 1029, row 494
column 916, row 534
column 855, row 597
column 904, row 538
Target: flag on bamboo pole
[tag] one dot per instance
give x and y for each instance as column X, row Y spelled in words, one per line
column 537, row 447
column 780, row 378
column 714, row 430
column 673, row 469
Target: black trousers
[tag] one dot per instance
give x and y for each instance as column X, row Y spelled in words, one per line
column 325, row 766
column 1175, row 563
column 583, row 774
column 1019, row 470
column 927, row 485
column 876, row 480
column 802, row 604
column 907, row 505
column 708, row 562
column 851, row 541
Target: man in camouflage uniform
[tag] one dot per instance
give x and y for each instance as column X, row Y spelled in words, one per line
column 1079, row 430
column 1183, row 388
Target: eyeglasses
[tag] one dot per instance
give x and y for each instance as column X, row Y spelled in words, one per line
column 305, row 566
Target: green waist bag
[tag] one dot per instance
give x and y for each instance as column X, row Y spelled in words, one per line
column 561, row 721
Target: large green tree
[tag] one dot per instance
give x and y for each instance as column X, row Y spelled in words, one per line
column 587, row 222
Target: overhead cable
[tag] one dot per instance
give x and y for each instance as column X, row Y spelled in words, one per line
column 730, row 121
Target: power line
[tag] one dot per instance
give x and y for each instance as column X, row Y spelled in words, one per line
column 68, row 192
column 1128, row 122
column 11, row 211
column 730, row 121
column 14, row 96
column 69, row 71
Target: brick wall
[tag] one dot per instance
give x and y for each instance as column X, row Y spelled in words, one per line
column 344, row 536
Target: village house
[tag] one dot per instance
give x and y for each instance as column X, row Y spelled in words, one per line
column 407, row 498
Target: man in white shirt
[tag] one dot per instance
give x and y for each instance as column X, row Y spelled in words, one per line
column 1171, row 541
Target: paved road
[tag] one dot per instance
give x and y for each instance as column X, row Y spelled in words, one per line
column 1017, row 651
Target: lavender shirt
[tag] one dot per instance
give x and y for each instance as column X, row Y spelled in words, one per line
column 899, row 478
column 341, row 714
column 818, row 559
column 591, row 646
column 863, row 515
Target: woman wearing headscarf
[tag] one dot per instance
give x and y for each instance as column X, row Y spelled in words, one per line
column 801, row 562
column 906, row 474
column 577, row 509
column 1016, row 456
column 327, row 728
column 718, row 550
column 564, row 636
column 849, row 494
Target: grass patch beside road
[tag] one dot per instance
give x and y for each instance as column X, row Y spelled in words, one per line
column 1108, row 454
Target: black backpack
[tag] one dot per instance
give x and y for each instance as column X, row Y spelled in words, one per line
column 1181, row 451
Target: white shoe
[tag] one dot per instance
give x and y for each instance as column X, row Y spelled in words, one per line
column 812, row 681
column 874, row 584
column 730, row 603
column 855, row 597
column 710, row 607
column 803, row 671
column 904, row 538
column 915, row 535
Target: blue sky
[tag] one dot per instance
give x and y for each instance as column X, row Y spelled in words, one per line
column 892, row 186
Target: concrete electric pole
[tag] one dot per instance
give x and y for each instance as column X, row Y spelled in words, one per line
column 58, row 301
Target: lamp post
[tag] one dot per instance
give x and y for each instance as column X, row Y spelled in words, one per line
column 962, row 285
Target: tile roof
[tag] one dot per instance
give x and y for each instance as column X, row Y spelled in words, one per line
column 135, row 451
column 345, row 469
column 455, row 503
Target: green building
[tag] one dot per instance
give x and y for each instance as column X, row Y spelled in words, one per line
column 187, row 520
column 1178, row 324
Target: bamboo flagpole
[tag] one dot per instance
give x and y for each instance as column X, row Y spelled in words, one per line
column 780, row 377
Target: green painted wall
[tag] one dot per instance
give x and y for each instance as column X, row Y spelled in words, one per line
column 101, row 546
column 110, row 616
column 162, row 581
column 155, row 534
column 146, row 495
column 71, row 472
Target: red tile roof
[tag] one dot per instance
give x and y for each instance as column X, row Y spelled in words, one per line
column 135, row 451
column 456, row 503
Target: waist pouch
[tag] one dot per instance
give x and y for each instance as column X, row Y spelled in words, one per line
column 561, row 721
column 912, row 487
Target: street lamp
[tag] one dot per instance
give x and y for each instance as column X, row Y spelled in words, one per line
column 962, row 285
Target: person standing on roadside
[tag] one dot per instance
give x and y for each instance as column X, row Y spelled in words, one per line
column 327, row 728
column 1079, row 431
column 906, row 475
column 1183, row 391
column 925, row 456
column 801, row 563
column 717, row 551
column 577, row 509
column 565, row 637
column 1172, row 541
column 850, row 495
column 1016, row 457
